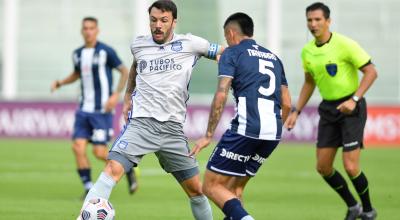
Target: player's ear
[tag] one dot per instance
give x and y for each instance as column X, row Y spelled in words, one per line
column 174, row 23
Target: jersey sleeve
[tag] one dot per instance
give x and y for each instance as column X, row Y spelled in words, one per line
column 112, row 58
column 204, row 48
column 304, row 61
column 356, row 54
column 75, row 60
column 226, row 65
column 284, row 80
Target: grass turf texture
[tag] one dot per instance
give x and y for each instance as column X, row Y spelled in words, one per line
column 38, row 180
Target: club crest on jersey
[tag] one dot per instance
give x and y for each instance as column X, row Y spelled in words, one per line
column 142, row 65
column 331, row 68
column 176, row 46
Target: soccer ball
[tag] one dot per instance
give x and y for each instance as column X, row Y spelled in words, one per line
column 97, row 209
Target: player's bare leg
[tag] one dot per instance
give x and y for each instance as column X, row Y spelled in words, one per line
column 216, row 188
column 236, row 185
column 325, row 159
column 351, row 162
column 82, row 162
column 112, row 173
column 200, row 206
column 100, row 151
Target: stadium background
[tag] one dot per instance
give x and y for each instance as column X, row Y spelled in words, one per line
column 37, row 38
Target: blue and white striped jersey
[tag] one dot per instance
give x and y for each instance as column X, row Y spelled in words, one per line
column 95, row 67
column 257, row 76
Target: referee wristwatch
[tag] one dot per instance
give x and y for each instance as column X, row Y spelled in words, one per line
column 355, row 98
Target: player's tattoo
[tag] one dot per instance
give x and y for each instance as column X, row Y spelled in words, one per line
column 218, row 104
column 131, row 84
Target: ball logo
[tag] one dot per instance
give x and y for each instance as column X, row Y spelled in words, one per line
column 142, row 65
column 101, row 214
column 176, row 46
column 85, row 215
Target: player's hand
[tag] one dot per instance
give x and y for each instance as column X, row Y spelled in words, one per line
column 347, row 107
column 111, row 102
column 126, row 108
column 291, row 120
column 200, row 144
column 55, row 85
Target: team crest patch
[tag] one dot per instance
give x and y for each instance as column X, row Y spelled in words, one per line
column 331, row 68
column 122, row 144
column 176, row 46
column 142, row 65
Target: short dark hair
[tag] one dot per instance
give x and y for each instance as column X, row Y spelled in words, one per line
column 165, row 5
column 319, row 6
column 90, row 18
column 244, row 21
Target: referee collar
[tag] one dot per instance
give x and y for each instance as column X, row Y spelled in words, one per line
column 320, row 45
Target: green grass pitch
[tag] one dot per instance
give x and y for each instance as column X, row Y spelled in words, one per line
column 38, row 180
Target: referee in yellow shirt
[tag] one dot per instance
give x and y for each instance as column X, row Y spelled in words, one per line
column 331, row 62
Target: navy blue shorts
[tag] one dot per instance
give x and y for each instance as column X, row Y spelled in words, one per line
column 95, row 127
column 238, row 155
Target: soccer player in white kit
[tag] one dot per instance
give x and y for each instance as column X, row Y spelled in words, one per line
column 155, row 107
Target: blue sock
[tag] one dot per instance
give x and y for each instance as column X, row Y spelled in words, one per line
column 234, row 209
column 86, row 178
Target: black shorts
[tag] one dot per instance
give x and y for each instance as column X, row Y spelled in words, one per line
column 336, row 129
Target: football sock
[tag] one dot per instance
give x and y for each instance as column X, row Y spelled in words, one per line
column 337, row 182
column 360, row 182
column 86, row 179
column 102, row 188
column 234, row 209
column 201, row 208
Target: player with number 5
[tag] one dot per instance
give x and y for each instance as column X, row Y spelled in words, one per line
column 257, row 78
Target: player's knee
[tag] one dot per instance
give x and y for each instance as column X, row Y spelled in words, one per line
column 324, row 170
column 79, row 149
column 352, row 169
column 114, row 169
column 101, row 153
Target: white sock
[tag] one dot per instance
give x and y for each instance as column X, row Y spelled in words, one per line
column 201, row 208
column 102, row 188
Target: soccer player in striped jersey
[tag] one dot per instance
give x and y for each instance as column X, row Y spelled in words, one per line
column 257, row 79
column 158, row 89
column 93, row 65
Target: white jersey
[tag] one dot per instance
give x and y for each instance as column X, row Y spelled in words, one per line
column 163, row 75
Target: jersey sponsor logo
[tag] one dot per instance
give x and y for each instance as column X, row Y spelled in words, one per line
column 258, row 159
column 164, row 65
column 142, row 65
column 331, row 68
column 234, row 156
column 176, row 46
column 255, row 46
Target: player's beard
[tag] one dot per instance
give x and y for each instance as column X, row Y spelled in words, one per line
column 167, row 34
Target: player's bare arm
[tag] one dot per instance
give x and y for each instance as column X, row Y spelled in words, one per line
column 370, row 75
column 130, row 87
column 305, row 94
column 286, row 102
column 69, row 79
column 113, row 100
column 217, row 108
